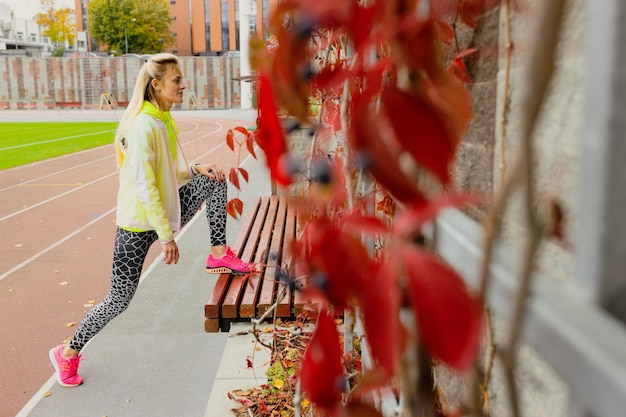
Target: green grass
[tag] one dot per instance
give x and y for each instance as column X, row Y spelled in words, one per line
column 23, row 143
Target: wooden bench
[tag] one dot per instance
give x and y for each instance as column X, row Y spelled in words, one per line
column 264, row 237
column 68, row 104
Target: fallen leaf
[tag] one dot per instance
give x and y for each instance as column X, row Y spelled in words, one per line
column 47, row 394
column 88, row 305
column 19, row 245
column 71, row 324
column 63, row 283
column 91, row 302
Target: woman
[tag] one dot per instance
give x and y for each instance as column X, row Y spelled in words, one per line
column 159, row 193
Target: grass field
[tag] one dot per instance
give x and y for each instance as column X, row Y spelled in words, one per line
column 23, row 143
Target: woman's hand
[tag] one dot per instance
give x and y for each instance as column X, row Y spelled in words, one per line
column 170, row 253
column 211, row 171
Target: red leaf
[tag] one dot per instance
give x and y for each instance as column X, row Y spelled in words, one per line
column 380, row 309
column 471, row 10
column 387, row 206
column 242, row 130
column 234, row 208
column 341, row 258
column 449, row 319
column 459, row 70
column 369, row 380
column 244, row 174
column 321, row 374
column 330, row 77
column 377, row 155
column 356, row 223
column 270, row 136
column 250, row 143
column 421, row 131
column 234, row 178
column 452, row 102
column 445, row 31
column 466, row 52
column 411, row 221
column 420, row 38
column 230, row 140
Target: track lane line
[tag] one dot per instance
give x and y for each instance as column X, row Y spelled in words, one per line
column 91, row 182
column 55, row 244
column 87, row 225
column 41, row 203
column 26, row 145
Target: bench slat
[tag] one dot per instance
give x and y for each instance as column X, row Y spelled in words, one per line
column 238, row 282
column 269, row 229
column 212, row 325
column 250, row 297
column 299, row 299
column 266, row 294
column 285, row 306
column 213, row 304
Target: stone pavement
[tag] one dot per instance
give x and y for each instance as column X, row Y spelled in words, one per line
column 156, row 359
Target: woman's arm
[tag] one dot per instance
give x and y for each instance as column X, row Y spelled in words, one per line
column 208, row 170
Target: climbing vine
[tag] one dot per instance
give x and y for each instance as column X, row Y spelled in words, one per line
column 388, row 78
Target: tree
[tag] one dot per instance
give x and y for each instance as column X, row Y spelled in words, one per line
column 56, row 25
column 143, row 24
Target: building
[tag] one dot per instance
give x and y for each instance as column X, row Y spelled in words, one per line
column 22, row 36
column 202, row 27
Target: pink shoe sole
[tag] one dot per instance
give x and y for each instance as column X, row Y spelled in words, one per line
column 223, row 270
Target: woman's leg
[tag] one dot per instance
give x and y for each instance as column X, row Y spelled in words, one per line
column 129, row 254
column 215, row 193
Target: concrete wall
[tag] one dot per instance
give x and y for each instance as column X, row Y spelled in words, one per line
column 37, row 83
column 488, row 151
column 490, row 145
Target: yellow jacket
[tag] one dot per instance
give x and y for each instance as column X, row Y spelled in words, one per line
column 153, row 169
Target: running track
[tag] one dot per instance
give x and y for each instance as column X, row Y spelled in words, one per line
column 57, row 223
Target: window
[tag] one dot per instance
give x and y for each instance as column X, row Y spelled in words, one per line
column 20, row 36
column 225, row 26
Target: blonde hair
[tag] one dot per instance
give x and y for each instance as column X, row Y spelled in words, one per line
column 154, row 68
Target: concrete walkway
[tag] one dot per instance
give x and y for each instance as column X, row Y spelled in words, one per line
column 155, row 359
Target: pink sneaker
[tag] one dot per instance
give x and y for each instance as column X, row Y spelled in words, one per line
column 66, row 370
column 228, row 264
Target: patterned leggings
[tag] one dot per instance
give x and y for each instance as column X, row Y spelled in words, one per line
column 131, row 249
